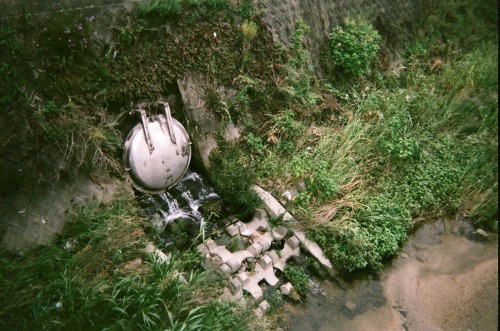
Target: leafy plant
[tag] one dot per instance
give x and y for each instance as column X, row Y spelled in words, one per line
column 354, row 46
column 249, row 29
column 233, row 177
column 298, row 278
column 162, row 8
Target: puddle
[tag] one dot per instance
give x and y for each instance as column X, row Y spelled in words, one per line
column 446, row 278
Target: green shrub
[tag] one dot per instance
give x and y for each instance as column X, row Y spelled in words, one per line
column 354, row 47
column 298, row 278
column 162, row 8
column 233, row 177
column 249, row 29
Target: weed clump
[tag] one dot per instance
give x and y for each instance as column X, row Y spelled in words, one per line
column 354, row 47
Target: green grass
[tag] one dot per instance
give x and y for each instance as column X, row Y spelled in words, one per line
column 105, row 281
column 398, row 146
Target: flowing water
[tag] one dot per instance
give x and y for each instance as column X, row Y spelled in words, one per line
column 182, row 213
column 445, row 278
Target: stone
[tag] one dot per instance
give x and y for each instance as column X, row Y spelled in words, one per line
column 258, row 312
column 279, row 233
column 203, row 123
column 264, row 306
column 255, row 249
column 350, row 305
column 274, row 256
column 481, row 232
column 272, row 206
column 151, row 249
column 235, row 285
column 286, row 288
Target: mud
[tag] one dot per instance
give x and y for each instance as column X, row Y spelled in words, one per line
column 445, row 278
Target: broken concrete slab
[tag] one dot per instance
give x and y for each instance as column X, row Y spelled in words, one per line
column 314, row 249
column 279, row 233
column 272, row 206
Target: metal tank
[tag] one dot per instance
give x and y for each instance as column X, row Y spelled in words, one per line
column 157, row 151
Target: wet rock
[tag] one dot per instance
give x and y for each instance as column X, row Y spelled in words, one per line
column 350, row 305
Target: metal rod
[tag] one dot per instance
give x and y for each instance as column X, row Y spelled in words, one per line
column 168, row 116
column 146, row 130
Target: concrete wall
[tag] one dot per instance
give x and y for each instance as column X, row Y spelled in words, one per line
column 391, row 18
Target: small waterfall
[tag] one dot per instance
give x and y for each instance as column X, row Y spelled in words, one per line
column 181, row 208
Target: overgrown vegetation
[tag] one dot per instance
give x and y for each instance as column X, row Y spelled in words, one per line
column 381, row 150
column 98, row 276
column 364, row 150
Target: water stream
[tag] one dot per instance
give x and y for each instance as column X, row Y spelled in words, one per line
column 445, row 278
column 182, row 213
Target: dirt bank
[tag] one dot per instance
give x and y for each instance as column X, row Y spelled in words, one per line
column 446, row 278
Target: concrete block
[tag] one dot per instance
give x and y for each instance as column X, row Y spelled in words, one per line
column 202, row 249
column 286, row 288
column 279, row 233
column 253, row 288
column 235, row 286
column 211, row 245
column 226, row 270
column 272, row 206
column 254, row 225
column 265, row 271
column 228, row 296
column 293, row 242
column 255, row 249
column 265, row 262
column 222, row 252
column 260, row 214
column 242, row 227
column 243, row 278
column 264, row 305
column 313, row 249
column 234, row 265
column 274, row 256
column 233, row 230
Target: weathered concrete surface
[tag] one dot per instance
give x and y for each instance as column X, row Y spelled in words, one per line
column 34, row 218
column 393, row 19
column 202, row 124
column 239, row 274
column 273, row 207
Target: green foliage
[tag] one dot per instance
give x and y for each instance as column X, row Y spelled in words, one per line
column 275, row 300
column 161, row 8
column 354, row 47
column 298, row 278
column 249, row 29
column 286, row 131
column 317, row 176
column 397, row 139
column 82, row 287
column 300, row 85
column 233, row 177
